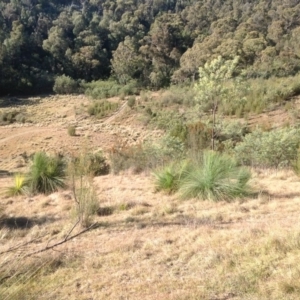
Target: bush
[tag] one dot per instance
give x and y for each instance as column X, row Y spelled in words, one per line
column 145, row 96
column 198, row 136
column 72, row 131
column 90, row 164
column 12, row 117
column 102, row 108
column 296, row 164
column 124, row 157
column 277, row 148
column 131, row 102
column 216, row 178
column 169, row 121
column 130, row 88
column 46, row 173
column 147, row 156
column 178, row 95
column 65, row 85
column 256, row 95
column 104, row 89
column 96, row 164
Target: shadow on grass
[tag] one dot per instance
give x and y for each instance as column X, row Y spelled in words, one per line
column 15, row 102
column 4, row 173
column 179, row 221
column 23, row 222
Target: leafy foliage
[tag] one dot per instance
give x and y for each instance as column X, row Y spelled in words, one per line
column 152, row 44
column 65, row 85
column 211, row 89
column 181, row 94
column 276, row 148
column 96, row 164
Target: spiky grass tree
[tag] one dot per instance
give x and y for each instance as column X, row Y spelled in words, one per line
column 217, row 177
column 168, row 177
column 19, row 185
column 46, row 174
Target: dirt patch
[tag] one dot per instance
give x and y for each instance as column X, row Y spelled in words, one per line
column 46, row 129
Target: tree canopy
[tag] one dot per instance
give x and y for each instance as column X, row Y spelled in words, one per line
column 155, row 42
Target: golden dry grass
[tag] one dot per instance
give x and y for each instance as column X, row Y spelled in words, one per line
column 154, row 246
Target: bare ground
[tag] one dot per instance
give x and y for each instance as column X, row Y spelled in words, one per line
column 147, row 245
column 47, row 131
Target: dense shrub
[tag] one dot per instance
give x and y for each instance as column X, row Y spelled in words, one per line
column 46, row 173
column 182, row 95
column 147, row 156
column 104, row 89
column 233, row 130
column 217, row 177
column 65, row 85
column 217, row 89
column 96, row 164
column 276, row 148
column 256, row 95
column 13, row 116
column 198, row 136
column 123, row 157
column 166, row 120
column 102, row 108
column 274, row 90
column 145, row 96
column 89, row 164
column 131, row 101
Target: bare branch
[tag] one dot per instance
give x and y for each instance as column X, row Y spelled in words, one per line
column 68, row 238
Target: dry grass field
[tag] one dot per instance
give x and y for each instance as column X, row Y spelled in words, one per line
column 145, row 244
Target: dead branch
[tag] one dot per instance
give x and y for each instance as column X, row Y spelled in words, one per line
column 14, row 248
column 66, row 239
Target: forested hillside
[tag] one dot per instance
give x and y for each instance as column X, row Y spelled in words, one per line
column 154, row 42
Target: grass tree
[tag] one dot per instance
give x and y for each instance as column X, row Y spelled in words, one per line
column 19, row 185
column 217, row 177
column 46, row 173
column 168, row 178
